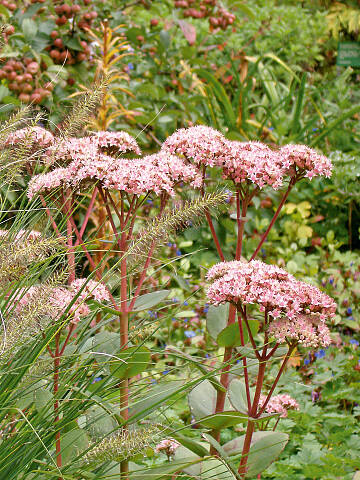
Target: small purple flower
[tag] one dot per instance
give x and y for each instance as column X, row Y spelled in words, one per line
column 349, row 311
column 178, row 252
column 189, row 334
column 130, row 66
column 186, row 303
column 96, row 379
column 165, row 372
column 354, row 342
column 315, row 396
column 331, row 281
column 320, row 354
column 169, row 244
column 306, row 361
column 315, row 129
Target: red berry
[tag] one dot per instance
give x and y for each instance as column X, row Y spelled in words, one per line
column 24, row 97
column 154, row 22
column 76, row 8
column 55, row 54
column 35, row 97
column 10, row 30
column 58, row 9
column 54, row 34
column 70, row 81
column 61, row 20
column 58, row 43
column 33, row 67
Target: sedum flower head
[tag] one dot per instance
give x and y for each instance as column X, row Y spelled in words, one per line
column 252, row 162
column 201, row 144
column 279, row 404
column 59, row 298
column 38, row 136
column 167, row 446
column 297, row 310
column 306, row 160
column 158, row 173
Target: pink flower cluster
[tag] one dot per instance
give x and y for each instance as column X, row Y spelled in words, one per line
column 38, row 136
column 296, row 310
column 252, row 162
column 157, row 173
column 203, row 145
column 306, row 160
column 279, row 404
column 309, row 330
column 89, row 149
column 115, row 142
column 60, row 297
column 167, row 446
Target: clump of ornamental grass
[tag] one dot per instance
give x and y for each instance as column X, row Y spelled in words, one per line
column 190, row 213
column 18, row 253
column 123, row 445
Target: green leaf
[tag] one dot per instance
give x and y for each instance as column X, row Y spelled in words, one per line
column 221, row 96
column 98, row 422
column 202, row 400
column 29, row 28
column 154, row 394
column 237, row 395
column 223, row 420
column 42, row 398
column 132, row 361
column 197, row 363
column 72, row 444
column 149, row 300
column 230, row 336
column 216, row 319
column 265, row 448
column 73, row 43
column 4, row 12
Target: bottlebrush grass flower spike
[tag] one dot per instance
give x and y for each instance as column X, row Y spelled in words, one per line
column 297, row 311
column 279, row 404
column 59, row 298
column 37, row 135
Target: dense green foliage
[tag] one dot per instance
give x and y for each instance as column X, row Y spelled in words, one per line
column 269, row 76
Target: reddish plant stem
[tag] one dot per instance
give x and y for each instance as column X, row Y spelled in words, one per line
column 240, row 219
column 69, row 231
column 281, row 204
column 215, row 238
column 71, row 329
column 262, row 409
column 103, row 196
column 251, row 426
column 87, row 214
column 224, row 380
column 244, row 361
column 148, row 260
column 91, row 261
column 124, row 327
column 272, row 351
column 56, row 403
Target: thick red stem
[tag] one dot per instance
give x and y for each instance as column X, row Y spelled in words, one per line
column 281, row 204
column 56, row 403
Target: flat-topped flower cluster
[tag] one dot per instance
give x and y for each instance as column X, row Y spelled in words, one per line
column 59, row 298
column 89, row 159
column 252, row 162
column 297, row 311
column 279, row 404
